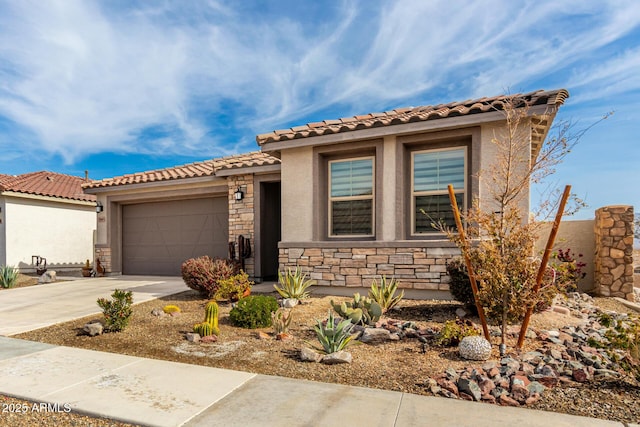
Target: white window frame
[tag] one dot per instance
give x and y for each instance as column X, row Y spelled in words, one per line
column 415, row 194
column 371, row 197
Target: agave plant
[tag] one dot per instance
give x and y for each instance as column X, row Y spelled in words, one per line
column 333, row 337
column 8, row 276
column 385, row 293
column 293, row 284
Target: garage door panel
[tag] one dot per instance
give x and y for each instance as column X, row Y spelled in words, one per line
column 157, row 237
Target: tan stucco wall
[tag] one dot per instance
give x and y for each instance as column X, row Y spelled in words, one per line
column 577, row 235
column 297, row 194
column 488, row 154
column 3, row 252
column 389, row 206
column 60, row 232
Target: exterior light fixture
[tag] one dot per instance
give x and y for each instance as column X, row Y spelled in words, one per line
column 99, row 207
column 238, row 195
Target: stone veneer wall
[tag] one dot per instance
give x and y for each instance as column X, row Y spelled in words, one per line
column 241, row 215
column 614, row 251
column 103, row 253
column 414, row 268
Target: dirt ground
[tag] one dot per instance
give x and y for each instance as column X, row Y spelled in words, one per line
column 400, row 365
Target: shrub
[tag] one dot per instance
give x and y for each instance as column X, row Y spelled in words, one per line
column 294, row 284
column 253, row 311
column 453, row 331
column 8, row 276
column 333, row 337
column 567, row 269
column 117, row 311
column 459, row 285
column 234, row 287
column 171, row 309
column 385, row 293
column 203, row 274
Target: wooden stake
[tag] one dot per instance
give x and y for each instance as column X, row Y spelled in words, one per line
column 467, row 259
column 543, row 263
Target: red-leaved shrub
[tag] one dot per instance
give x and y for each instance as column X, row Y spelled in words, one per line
column 204, row 273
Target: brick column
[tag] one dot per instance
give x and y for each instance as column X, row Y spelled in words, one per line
column 241, row 215
column 103, row 253
column 613, row 260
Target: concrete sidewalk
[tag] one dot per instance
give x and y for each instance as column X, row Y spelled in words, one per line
column 159, row 393
column 34, row 307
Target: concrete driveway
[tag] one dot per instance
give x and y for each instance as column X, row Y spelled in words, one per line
column 34, row 307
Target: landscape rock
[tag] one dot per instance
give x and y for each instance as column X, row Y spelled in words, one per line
column 192, row 337
column 48, row 276
column 262, row 335
column 93, row 328
column 308, row 355
column 209, row 339
column 289, row 302
column 337, row 358
column 505, row 400
column 474, row 348
column 375, row 335
column 283, row 336
column 158, row 312
column 470, row 387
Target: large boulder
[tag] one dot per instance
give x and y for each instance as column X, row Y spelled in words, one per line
column 474, row 348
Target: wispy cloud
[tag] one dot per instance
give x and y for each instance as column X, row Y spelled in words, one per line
column 80, row 77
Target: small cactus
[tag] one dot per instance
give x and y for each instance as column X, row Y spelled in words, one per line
column 203, row 329
column 211, row 315
column 362, row 310
column 171, row 309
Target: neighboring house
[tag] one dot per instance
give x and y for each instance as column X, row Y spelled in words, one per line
column 340, row 198
column 45, row 214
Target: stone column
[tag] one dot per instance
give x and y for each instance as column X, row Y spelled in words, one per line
column 241, row 215
column 613, row 260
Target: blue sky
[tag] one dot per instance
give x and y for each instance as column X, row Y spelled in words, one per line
column 122, row 86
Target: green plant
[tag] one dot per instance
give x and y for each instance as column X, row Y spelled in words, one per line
column 294, row 284
column 234, row 287
column 210, row 324
column 281, row 320
column 623, row 335
column 459, row 284
column 384, row 294
column 8, row 276
column 453, row 331
column 253, row 311
column 361, row 310
column 333, row 337
column 171, row 309
column 203, row 329
column 117, row 311
column 204, row 274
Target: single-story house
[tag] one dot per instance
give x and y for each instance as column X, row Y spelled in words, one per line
column 45, row 214
column 340, row 198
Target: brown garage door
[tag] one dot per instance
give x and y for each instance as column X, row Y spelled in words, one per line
column 157, row 237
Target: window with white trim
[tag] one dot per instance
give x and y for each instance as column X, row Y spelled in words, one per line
column 351, row 197
column 432, row 171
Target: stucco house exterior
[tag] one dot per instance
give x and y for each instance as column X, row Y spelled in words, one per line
column 45, row 214
column 340, row 198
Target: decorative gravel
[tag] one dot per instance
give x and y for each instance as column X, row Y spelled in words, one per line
column 403, row 365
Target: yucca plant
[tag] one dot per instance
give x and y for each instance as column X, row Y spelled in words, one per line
column 293, row 284
column 8, row 276
column 333, row 337
column 385, row 293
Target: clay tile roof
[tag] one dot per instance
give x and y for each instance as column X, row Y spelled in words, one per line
column 411, row 114
column 191, row 170
column 45, row 183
